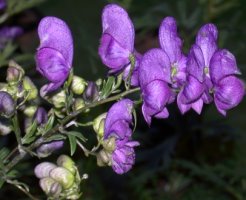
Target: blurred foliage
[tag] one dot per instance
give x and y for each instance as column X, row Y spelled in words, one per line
column 186, row 157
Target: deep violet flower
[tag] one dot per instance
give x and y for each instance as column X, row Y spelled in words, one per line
column 41, row 116
column 117, row 41
column 207, row 67
column 55, row 53
column 117, row 125
column 8, row 34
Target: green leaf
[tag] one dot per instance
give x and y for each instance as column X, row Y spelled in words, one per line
column 107, row 87
column 29, row 137
column 78, row 135
column 55, row 137
column 73, row 144
column 50, row 123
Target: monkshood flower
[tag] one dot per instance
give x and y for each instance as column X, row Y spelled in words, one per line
column 154, row 76
column 8, row 34
column 7, row 104
column 41, row 116
column 55, row 53
column 162, row 70
column 207, row 69
column 2, row 4
column 117, row 125
column 117, row 42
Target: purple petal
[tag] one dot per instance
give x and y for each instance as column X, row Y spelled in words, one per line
column 119, row 129
column 122, row 110
column 192, row 91
column 197, row 106
column 229, row 92
column 116, row 22
column 155, row 65
column 169, row 39
column 206, row 39
column 182, row 106
column 196, row 63
column 223, row 63
column 51, row 64
column 54, row 33
column 50, row 88
column 180, row 77
column 156, row 94
column 41, row 116
column 112, row 53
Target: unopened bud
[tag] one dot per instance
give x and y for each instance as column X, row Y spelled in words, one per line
column 78, row 104
column 78, row 85
column 59, row 99
column 14, row 72
column 109, row 144
column 98, row 124
column 43, row 169
column 63, row 176
column 29, row 111
column 41, row 116
column 66, row 162
column 30, row 88
column 50, row 186
column 5, row 127
column 7, row 104
column 47, row 149
column 91, row 92
column 103, row 158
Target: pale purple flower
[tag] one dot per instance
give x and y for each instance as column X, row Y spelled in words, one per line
column 8, row 34
column 7, row 104
column 55, row 53
column 117, row 41
column 117, row 125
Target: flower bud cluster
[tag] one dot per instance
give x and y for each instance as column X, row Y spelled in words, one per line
column 60, row 180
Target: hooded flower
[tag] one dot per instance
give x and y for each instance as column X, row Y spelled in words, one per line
column 117, row 125
column 8, row 34
column 55, row 53
column 41, row 116
column 196, row 90
column 117, row 41
column 210, row 71
column 228, row 90
column 154, row 77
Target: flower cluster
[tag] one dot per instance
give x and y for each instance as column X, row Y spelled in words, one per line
column 118, row 146
column 59, row 181
column 166, row 73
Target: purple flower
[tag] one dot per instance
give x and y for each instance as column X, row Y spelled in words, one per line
column 8, row 34
column 161, row 70
column 208, row 71
column 117, row 41
column 2, row 4
column 117, row 125
column 55, row 53
column 7, row 104
column 154, row 76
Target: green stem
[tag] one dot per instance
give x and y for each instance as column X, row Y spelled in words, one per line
column 17, row 158
column 16, row 127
